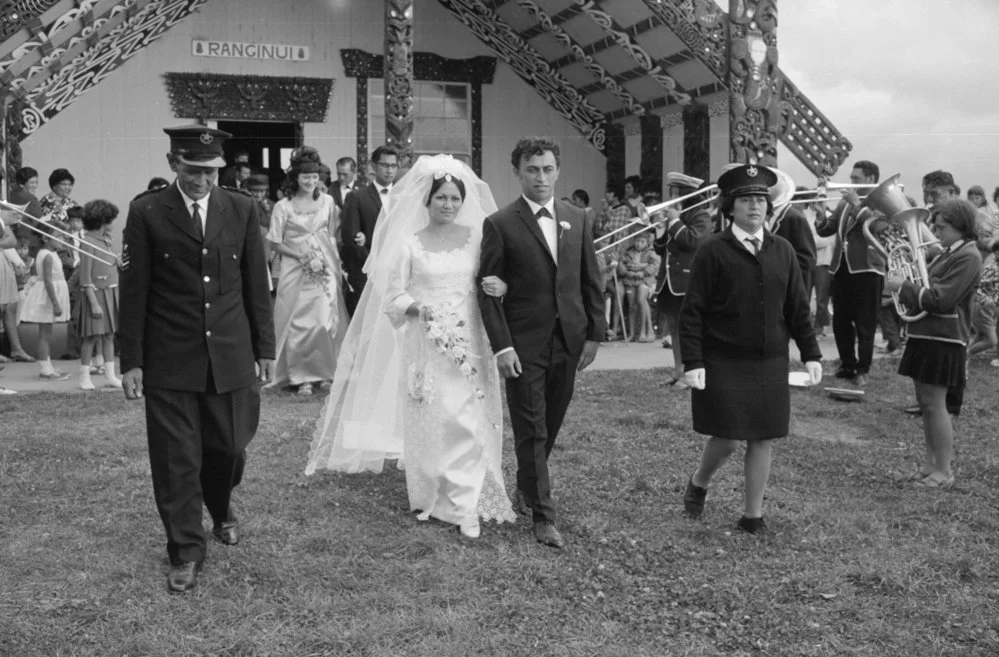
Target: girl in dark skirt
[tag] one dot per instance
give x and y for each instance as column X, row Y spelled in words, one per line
column 935, row 356
column 745, row 301
column 97, row 313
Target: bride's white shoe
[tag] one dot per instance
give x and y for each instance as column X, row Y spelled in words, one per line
column 470, row 531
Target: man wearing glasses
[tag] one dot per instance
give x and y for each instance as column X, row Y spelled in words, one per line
column 360, row 212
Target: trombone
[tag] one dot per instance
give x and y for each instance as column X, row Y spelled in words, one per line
column 821, row 197
column 647, row 212
column 9, row 212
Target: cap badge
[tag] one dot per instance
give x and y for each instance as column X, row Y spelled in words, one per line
column 751, row 171
column 206, row 138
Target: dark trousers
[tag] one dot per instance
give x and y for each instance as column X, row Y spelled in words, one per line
column 856, row 304
column 820, row 278
column 538, row 400
column 197, row 453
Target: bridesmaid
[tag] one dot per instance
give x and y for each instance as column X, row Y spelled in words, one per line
column 309, row 313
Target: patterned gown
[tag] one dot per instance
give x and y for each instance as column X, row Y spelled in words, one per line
column 453, row 418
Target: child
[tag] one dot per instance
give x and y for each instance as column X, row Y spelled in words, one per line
column 23, row 272
column 46, row 301
column 71, row 265
column 97, row 313
column 638, row 269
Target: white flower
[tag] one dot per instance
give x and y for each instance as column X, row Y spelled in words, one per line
column 316, row 266
column 565, row 225
column 466, row 368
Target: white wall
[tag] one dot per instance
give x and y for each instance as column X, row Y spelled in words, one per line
column 111, row 139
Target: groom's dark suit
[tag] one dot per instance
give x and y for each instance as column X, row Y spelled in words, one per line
column 548, row 314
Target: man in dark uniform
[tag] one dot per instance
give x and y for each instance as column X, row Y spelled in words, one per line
column 745, row 301
column 197, row 335
column 858, row 271
column 677, row 239
column 360, row 213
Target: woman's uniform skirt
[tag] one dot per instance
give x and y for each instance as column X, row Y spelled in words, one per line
column 743, row 399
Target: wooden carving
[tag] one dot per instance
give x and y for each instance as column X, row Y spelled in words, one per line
column 753, row 81
column 399, row 115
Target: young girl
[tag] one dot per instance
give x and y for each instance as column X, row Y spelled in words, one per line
column 638, row 269
column 46, row 301
column 97, row 314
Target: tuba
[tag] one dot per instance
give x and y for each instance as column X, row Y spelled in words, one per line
column 896, row 236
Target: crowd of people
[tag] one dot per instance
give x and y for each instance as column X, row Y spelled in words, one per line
column 408, row 300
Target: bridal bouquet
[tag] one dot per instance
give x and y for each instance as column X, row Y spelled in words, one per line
column 447, row 333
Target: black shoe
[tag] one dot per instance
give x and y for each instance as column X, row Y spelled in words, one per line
column 845, row 373
column 546, row 534
column 183, row 576
column 227, row 531
column 693, row 499
column 860, row 380
column 752, row 525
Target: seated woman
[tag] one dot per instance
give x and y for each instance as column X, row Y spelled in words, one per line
column 935, row 357
column 310, row 317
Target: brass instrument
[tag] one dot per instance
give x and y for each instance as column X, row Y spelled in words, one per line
column 14, row 214
column 820, row 196
column 897, row 238
column 647, row 212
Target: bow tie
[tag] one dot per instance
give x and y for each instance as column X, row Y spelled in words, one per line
column 543, row 212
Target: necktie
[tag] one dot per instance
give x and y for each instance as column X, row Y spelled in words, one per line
column 543, row 212
column 196, row 216
column 755, row 243
column 384, row 190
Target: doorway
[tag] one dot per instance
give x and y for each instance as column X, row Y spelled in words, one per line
column 268, row 143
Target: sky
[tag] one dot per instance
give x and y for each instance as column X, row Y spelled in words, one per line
column 908, row 82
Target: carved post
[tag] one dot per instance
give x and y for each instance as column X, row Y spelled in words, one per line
column 753, row 81
column 614, row 150
column 651, row 165
column 399, row 116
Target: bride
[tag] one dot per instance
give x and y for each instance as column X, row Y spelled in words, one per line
column 416, row 379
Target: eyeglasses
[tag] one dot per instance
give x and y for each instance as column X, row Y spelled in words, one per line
column 387, row 165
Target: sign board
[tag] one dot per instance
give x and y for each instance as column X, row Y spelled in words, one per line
column 235, row 49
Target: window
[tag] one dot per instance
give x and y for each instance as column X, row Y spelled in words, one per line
column 443, row 121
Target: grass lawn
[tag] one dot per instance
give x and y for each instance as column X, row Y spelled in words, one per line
column 860, row 562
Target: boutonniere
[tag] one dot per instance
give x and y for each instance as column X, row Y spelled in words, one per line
column 564, row 225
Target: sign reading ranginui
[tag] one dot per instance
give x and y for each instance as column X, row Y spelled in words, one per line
column 250, row 50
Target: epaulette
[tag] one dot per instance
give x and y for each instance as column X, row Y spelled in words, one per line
column 155, row 190
column 236, row 190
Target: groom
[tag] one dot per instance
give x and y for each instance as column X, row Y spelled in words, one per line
column 550, row 322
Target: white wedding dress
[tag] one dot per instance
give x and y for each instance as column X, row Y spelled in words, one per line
column 452, row 445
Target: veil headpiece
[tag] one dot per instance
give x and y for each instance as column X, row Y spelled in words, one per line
column 361, row 423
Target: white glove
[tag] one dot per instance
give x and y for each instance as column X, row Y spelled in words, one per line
column 695, row 378
column 814, row 368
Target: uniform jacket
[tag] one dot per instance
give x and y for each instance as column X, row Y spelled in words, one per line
column 792, row 225
column 949, row 298
column 360, row 212
column 740, row 306
column 188, row 304
column 677, row 246
column 541, row 293
column 847, row 225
